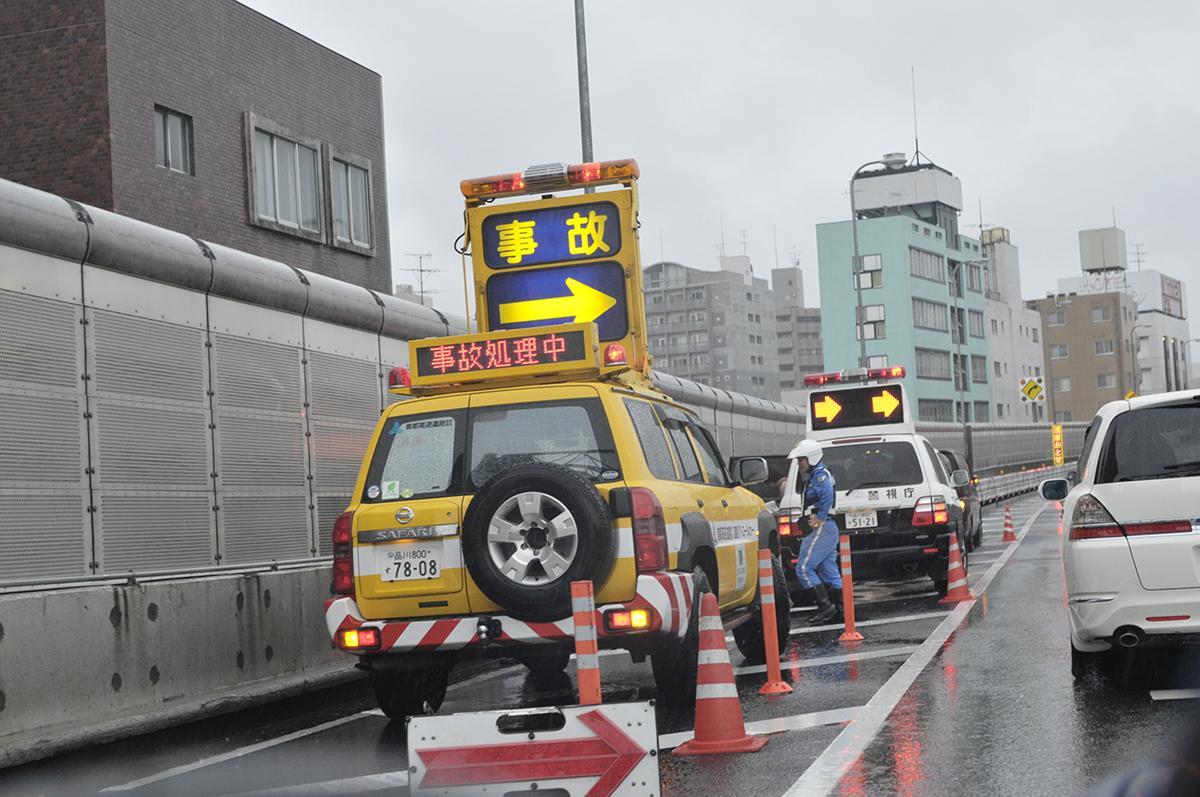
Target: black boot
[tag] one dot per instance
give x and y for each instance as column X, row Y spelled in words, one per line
column 826, row 611
column 835, row 597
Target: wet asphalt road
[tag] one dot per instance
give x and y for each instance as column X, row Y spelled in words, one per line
column 977, row 700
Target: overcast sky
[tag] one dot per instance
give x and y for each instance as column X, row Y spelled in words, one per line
column 1051, row 113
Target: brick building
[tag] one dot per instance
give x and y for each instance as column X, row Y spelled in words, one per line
column 206, row 118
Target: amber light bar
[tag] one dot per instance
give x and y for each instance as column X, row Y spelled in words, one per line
column 550, row 177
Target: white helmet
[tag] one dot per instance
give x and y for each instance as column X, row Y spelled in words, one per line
column 810, row 449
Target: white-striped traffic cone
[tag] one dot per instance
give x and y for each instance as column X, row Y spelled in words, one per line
column 956, row 577
column 719, row 724
column 1009, row 536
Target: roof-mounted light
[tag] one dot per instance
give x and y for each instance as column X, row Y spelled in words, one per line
column 549, row 177
column 853, row 375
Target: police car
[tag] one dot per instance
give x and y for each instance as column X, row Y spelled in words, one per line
column 895, row 498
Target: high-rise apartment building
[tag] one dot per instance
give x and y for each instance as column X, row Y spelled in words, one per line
column 1161, row 332
column 798, row 332
column 922, row 291
column 1088, row 351
column 716, row 327
column 1014, row 333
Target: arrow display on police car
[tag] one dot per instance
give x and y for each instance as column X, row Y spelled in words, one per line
column 884, row 404
column 826, row 409
column 583, row 305
column 609, row 755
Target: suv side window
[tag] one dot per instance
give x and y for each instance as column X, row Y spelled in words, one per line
column 653, row 439
column 713, row 465
column 939, row 472
column 676, row 424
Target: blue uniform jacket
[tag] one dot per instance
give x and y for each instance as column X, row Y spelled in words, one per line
column 819, row 495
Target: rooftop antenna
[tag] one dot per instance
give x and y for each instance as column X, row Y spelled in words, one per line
column 745, row 243
column 1114, row 214
column 794, row 256
column 722, row 247
column 661, row 257
column 775, row 236
column 420, row 271
column 916, row 135
column 1139, row 253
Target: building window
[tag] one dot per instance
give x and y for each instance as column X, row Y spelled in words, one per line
column 979, row 369
column 1061, row 384
column 995, row 328
column 935, row 410
column 1056, row 317
column 930, row 315
column 351, row 189
column 173, row 140
column 286, row 193
column 695, row 295
column 975, row 318
column 1035, row 334
column 999, row 410
column 656, row 299
column 956, row 279
column 1104, row 381
column 1062, row 417
column 981, row 412
column 1104, row 347
column 871, row 275
column 926, row 265
column 1101, row 312
column 958, row 325
column 974, row 278
column 996, row 367
column 933, row 364
column 1058, row 351
column 674, row 297
column 873, row 317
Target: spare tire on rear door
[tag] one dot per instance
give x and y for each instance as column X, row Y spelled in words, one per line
column 532, row 530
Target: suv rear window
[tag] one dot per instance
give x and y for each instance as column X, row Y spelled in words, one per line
column 417, row 457
column 1152, row 443
column 573, row 434
column 887, row 464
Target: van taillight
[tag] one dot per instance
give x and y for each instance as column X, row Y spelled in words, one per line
column 1091, row 521
column 930, row 511
column 343, row 561
column 649, row 530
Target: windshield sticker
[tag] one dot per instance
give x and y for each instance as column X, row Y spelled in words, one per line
column 373, row 492
column 395, row 428
column 406, row 493
column 391, row 491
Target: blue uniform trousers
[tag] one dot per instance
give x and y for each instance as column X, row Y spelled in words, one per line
column 818, row 560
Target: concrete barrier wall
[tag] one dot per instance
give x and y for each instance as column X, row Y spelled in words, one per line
column 87, row 664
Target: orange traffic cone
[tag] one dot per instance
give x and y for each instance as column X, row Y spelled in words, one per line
column 1008, row 526
column 719, row 724
column 956, row 578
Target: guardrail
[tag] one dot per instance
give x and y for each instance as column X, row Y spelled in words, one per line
column 1009, row 485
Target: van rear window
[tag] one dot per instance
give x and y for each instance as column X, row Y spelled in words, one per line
column 416, row 457
column 1152, row 443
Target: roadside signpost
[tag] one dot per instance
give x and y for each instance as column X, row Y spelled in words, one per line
column 1056, row 443
column 1033, row 388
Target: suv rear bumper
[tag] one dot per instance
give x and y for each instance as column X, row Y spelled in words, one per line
column 1095, row 618
column 667, row 597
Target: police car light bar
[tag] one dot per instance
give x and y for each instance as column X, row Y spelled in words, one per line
column 854, row 375
column 551, row 177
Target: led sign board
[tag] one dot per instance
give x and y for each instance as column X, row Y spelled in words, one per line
column 847, row 408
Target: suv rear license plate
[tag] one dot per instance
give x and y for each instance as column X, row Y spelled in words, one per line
column 862, row 520
column 411, row 561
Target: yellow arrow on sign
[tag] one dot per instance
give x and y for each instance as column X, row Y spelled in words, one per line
column 884, row 404
column 827, row 409
column 584, row 305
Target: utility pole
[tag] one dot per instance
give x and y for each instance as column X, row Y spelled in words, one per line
column 420, row 271
column 585, row 100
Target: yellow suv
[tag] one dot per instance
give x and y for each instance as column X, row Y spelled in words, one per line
column 480, row 501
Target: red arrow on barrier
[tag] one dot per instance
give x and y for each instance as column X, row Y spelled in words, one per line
column 610, row 755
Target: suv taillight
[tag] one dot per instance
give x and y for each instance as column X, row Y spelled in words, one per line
column 1091, row 521
column 930, row 511
column 343, row 562
column 649, row 530
column 787, row 524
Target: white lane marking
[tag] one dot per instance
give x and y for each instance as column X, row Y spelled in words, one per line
column 363, row 783
column 794, row 722
column 239, row 752
column 266, row 744
column 823, row 776
column 814, row 629
column 821, row 661
column 1174, row 694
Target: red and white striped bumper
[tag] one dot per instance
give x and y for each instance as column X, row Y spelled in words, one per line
column 666, row 596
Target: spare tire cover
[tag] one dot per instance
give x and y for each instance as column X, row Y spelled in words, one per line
column 532, row 530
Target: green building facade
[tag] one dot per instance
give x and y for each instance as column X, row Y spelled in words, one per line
column 909, row 270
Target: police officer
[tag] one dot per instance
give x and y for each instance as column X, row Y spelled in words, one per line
column 817, row 566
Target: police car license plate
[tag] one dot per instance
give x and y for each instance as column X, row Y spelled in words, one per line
column 862, row 520
column 411, row 561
